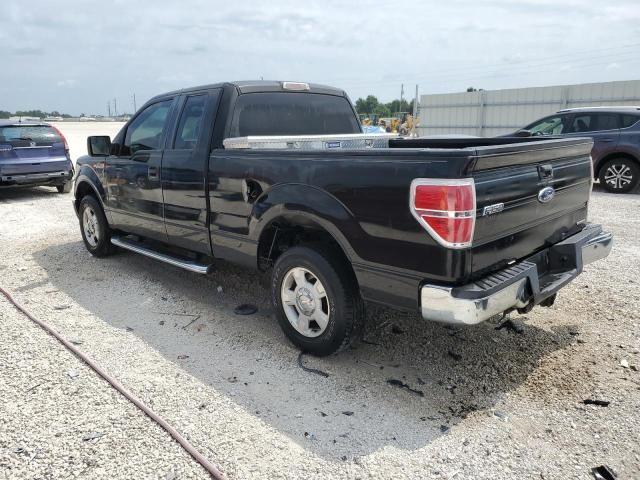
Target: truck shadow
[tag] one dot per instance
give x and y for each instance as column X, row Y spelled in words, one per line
column 408, row 383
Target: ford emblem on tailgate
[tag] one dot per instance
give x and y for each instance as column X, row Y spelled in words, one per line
column 546, row 194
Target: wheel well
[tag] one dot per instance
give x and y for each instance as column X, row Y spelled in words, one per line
column 611, row 156
column 82, row 190
column 282, row 234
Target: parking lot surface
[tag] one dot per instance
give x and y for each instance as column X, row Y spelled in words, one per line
column 482, row 402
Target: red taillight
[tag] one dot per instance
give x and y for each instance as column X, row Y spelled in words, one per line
column 446, row 209
column 64, row 140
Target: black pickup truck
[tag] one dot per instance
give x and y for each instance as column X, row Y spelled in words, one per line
column 460, row 229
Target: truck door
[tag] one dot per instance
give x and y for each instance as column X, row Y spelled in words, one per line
column 184, row 165
column 134, row 194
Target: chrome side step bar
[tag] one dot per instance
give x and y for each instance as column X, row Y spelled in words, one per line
column 134, row 246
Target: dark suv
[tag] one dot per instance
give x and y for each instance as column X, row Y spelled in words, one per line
column 616, row 136
column 32, row 154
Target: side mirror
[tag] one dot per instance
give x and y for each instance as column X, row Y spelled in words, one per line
column 99, row 146
column 522, row 133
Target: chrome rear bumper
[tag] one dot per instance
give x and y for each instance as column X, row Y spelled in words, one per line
column 520, row 286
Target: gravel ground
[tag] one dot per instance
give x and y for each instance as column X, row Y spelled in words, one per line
column 494, row 404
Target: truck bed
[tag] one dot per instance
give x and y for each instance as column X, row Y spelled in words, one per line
column 364, row 196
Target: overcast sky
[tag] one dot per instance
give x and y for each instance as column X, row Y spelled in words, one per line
column 74, row 55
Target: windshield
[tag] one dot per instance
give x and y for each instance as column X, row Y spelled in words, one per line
column 547, row 126
column 287, row 113
column 29, row 135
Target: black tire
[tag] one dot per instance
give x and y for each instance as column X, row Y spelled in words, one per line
column 344, row 305
column 97, row 238
column 64, row 188
column 619, row 175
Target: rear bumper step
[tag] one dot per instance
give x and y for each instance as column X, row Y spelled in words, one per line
column 522, row 285
column 191, row 265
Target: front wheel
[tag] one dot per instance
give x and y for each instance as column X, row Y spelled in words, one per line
column 317, row 300
column 94, row 227
column 619, row 175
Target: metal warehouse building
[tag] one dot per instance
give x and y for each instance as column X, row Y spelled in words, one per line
column 494, row 112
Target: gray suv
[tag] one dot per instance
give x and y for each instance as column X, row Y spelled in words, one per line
column 616, row 136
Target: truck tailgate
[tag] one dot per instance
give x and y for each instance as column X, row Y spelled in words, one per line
column 528, row 196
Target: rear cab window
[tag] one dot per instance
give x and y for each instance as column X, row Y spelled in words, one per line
column 29, row 135
column 190, row 123
column 289, row 113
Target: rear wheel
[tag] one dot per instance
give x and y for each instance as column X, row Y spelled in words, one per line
column 94, row 227
column 619, row 175
column 317, row 300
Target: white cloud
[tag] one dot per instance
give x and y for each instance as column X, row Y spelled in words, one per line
column 67, row 83
column 79, row 54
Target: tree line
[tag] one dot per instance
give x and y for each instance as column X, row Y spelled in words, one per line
column 33, row 113
column 371, row 106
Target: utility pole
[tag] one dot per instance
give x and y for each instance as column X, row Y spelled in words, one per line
column 109, row 108
column 115, row 107
column 401, row 96
column 135, row 109
column 415, row 113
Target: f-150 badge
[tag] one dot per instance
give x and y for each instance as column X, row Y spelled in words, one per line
column 492, row 209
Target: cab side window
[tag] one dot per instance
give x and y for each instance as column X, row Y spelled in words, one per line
column 582, row 123
column 594, row 122
column 190, row 123
column 145, row 131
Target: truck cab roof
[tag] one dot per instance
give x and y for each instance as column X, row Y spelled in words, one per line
column 255, row 86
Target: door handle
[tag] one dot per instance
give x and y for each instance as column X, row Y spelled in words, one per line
column 153, row 173
column 606, row 140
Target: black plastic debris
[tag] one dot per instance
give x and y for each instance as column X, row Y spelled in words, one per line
column 397, row 330
column 310, row 370
column 456, row 356
column 401, row 384
column 245, row 309
column 603, row 473
column 444, row 428
column 599, row 403
column 512, row 326
column 347, row 413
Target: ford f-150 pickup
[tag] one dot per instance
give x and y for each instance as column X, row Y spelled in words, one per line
column 279, row 177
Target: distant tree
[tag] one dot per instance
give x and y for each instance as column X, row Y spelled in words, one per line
column 5, row 114
column 471, row 89
column 398, row 106
column 30, row 113
column 368, row 105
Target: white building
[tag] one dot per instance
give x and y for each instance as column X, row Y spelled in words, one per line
column 495, row 112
